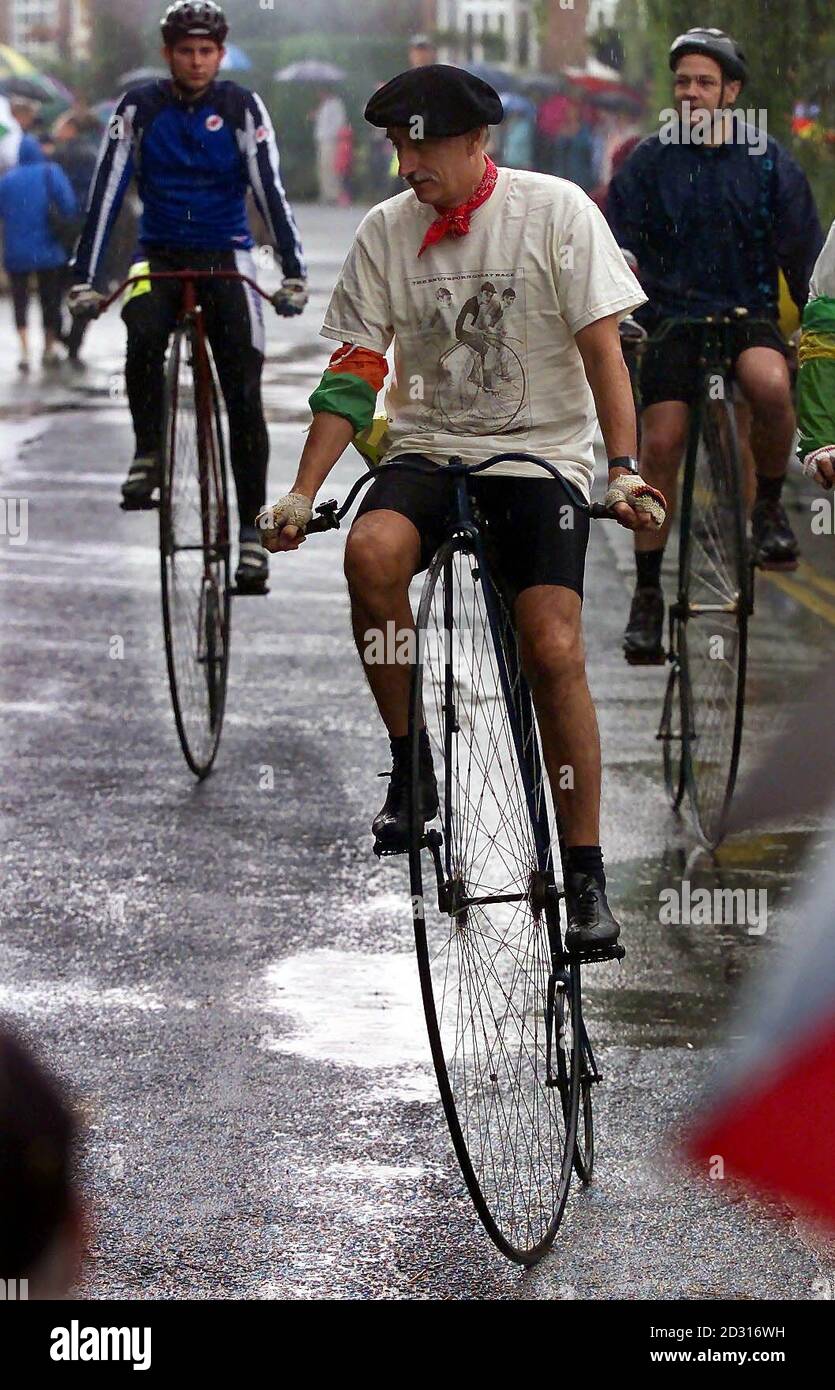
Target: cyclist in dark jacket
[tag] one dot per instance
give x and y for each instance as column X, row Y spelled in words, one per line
column 710, row 225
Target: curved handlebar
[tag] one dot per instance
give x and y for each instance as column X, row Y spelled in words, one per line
column 330, row 515
column 184, row 275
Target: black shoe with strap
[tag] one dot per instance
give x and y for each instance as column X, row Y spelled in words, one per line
column 253, row 570
column 391, row 824
column 773, row 542
column 591, row 925
column 642, row 640
column 138, row 488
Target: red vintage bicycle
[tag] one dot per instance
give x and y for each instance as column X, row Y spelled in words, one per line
column 194, row 525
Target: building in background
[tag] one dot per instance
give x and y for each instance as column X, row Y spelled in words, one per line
column 48, row 30
column 489, row 31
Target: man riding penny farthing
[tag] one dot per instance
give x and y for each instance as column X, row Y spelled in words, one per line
column 492, row 502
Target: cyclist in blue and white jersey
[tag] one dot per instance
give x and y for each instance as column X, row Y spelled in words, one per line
column 195, row 145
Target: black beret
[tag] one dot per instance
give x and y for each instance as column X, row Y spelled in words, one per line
column 448, row 100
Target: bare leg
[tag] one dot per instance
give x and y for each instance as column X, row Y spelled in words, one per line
column 749, row 468
column 763, row 375
column 553, row 658
column 663, row 441
column 381, row 558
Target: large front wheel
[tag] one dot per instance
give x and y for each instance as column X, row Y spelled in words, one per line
column 712, row 616
column 499, row 996
column 194, row 549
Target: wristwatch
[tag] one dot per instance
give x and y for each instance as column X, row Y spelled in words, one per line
column 625, row 462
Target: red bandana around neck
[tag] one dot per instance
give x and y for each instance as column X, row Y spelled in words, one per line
column 456, row 221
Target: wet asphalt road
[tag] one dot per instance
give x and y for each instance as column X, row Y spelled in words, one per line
column 223, row 973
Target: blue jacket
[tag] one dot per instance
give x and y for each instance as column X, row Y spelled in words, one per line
column 26, row 193
column 710, row 227
column 193, row 163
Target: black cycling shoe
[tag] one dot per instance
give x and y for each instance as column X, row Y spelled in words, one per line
column 773, row 542
column 391, row 824
column 642, row 640
column 137, row 489
column 253, row 568
column 591, row 926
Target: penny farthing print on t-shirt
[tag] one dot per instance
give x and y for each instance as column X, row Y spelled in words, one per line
column 472, row 329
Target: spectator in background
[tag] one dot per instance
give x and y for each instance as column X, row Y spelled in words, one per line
column 422, row 51
column 380, row 154
column 574, row 151
column 76, row 151
column 28, row 195
column 329, row 120
column 518, row 141
column 550, row 120
column 600, row 194
column 623, row 128
column 10, row 136
column 41, row 1224
column 344, row 164
column 27, row 113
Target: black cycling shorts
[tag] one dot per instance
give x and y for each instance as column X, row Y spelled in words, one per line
column 536, row 529
column 670, row 368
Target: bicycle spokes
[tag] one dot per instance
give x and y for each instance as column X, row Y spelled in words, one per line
column 491, row 947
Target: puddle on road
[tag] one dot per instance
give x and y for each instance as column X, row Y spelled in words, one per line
column 355, row 1010
column 41, row 998
column 680, row 979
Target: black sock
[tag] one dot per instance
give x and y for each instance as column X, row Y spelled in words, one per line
column 648, row 565
column 400, row 746
column 586, row 859
column 769, row 489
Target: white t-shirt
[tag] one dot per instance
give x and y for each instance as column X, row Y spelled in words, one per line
column 483, row 325
column 823, row 275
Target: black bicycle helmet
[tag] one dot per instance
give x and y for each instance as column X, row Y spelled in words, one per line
column 716, row 44
column 193, row 18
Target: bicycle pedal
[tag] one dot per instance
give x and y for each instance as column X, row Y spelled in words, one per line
column 776, row 567
column 256, row 591
column 597, row 954
column 139, row 504
column 656, row 659
column 384, row 851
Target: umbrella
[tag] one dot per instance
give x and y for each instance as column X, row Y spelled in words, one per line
column 543, row 84
column 103, row 110
column 13, row 64
column 495, row 76
column 772, row 1110
column 138, row 75
column 235, row 57
column 33, row 88
column 616, row 101
column 310, row 71
column 516, row 105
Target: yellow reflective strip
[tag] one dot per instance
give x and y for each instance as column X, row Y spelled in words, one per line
column 815, row 345
column 802, row 595
column 136, row 272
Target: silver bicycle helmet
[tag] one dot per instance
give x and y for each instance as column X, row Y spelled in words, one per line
column 193, row 19
column 716, row 44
